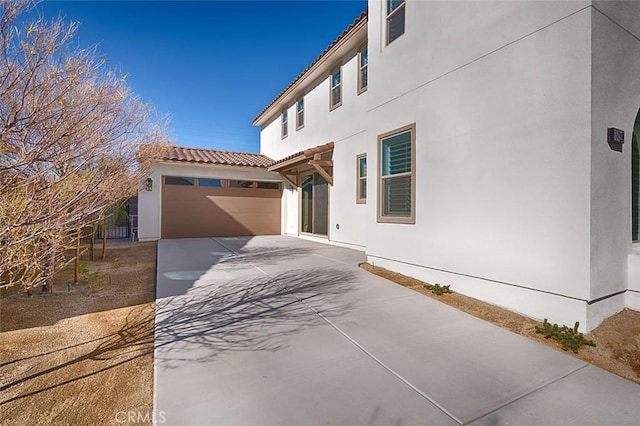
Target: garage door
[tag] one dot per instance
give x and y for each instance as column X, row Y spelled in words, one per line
column 193, row 207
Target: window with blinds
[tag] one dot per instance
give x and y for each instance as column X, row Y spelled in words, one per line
column 395, row 19
column 397, row 178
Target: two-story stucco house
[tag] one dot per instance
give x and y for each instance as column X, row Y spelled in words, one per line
column 485, row 145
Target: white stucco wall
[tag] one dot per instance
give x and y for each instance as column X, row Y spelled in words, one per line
column 345, row 126
column 615, row 103
column 503, row 168
column 149, row 202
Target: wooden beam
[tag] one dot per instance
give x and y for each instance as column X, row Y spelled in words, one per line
column 322, row 172
column 324, row 163
column 288, row 179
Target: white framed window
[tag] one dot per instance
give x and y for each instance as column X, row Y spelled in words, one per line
column 300, row 113
column 284, row 128
column 395, row 19
column 335, row 94
column 361, row 183
column 363, row 69
column 396, row 167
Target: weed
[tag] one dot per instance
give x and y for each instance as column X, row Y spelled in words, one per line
column 92, row 278
column 438, row 289
column 569, row 338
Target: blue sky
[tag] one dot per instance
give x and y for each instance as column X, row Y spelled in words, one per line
column 212, row 66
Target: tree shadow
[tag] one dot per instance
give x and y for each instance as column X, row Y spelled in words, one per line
column 245, row 314
column 132, row 341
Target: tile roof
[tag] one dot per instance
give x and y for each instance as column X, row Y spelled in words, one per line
column 358, row 20
column 302, row 155
column 213, row 156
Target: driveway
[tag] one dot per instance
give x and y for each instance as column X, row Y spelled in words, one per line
column 285, row 331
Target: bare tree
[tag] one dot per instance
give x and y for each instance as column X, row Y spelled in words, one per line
column 70, row 133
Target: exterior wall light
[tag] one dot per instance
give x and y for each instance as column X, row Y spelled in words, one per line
column 148, row 184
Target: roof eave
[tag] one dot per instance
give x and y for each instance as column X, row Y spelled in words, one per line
column 210, row 164
column 312, row 73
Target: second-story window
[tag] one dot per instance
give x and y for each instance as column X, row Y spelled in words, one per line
column 300, row 114
column 361, row 188
column 363, row 65
column 336, row 89
column 395, row 19
column 285, row 125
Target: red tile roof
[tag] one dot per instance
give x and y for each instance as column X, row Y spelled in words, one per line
column 302, row 155
column 213, row 156
column 358, row 20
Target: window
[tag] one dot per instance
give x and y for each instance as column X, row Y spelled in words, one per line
column 285, row 125
column 241, row 183
column 184, row 181
column 395, row 19
column 396, row 154
column 336, row 89
column 300, row 114
column 210, row 182
column 363, row 76
column 268, row 185
column 361, row 189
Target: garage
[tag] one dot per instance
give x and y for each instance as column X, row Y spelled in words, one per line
column 210, row 207
column 197, row 192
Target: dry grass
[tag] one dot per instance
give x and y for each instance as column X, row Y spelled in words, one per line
column 81, row 357
column 617, row 338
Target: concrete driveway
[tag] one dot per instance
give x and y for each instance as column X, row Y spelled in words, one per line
column 284, row 331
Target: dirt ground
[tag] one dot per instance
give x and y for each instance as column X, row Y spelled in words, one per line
column 617, row 339
column 84, row 356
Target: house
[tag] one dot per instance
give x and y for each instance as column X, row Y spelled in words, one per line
column 485, row 145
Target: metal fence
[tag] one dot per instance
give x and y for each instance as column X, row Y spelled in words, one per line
column 117, row 226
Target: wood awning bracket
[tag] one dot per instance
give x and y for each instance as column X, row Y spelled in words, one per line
column 322, row 167
column 289, row 180
column 288, row 169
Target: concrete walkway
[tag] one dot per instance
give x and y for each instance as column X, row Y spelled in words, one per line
column 284, row 331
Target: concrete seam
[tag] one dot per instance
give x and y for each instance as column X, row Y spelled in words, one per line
column 381, row 363
column 238, row 254
column 529, row 392
column 330, row 258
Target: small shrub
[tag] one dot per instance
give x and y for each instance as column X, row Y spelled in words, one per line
column 438, row 289
column 92, row 278
column 569, row 338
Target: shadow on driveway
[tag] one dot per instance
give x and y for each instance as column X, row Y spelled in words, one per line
column 247, row 314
